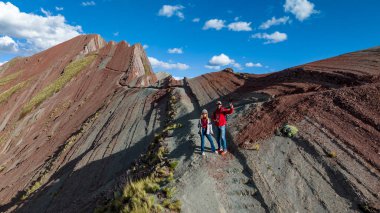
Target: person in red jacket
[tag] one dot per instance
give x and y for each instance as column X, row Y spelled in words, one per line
column 219, row 118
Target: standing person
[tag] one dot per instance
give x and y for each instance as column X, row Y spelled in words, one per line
column 220, row 120
column 205, row 129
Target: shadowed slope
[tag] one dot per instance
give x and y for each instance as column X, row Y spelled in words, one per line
column 60, row 93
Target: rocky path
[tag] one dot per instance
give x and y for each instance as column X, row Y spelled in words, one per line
column 284, row 175
column 211, row 183
column 65, row 152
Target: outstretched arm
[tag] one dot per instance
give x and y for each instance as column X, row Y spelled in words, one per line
column 230, row 110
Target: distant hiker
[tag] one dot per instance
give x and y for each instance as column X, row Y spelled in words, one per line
column 205, row 129
column 220, row 120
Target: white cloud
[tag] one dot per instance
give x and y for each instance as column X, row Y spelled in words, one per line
column 46, row 12
column 7, row 44
column 302, row 9
column 212, row 67
column 177, row 78
column 1, row 63
column 59, row 8
column 274, row 21
column 217, row 61
column 175, row 51
column 240, row 26
column 220, row 60
column 39, row 32
column 172, row 10
column 88, row 3
column 250, row 64
column 271, row 38
column 216, row 24
column 116, row 34
column 196, row 19
column 236, row 18
column 167, row 66
column 237, row 66
column 145, row 46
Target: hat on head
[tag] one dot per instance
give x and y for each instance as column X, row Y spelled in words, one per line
column 204, row 111
column 219, row 102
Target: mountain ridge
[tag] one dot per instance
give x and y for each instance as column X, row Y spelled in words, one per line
column 99, row 107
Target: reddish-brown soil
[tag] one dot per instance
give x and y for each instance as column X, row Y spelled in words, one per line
column 31, row 145
column 340, row 96
column 70, row 149
column 342, row 93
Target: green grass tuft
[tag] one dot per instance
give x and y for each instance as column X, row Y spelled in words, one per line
column 8, row 93
column 172, row 126
column 6, row 79
column 256, row 147
column 162, row 151
column 3, row 138
column 32, row 189
column 173, row 164
column 158, row 208
column 332, row 154
column 289, row 130
column 163, row 171
column 175, row 206
column 70, row 72
column 151, row 186
column 135, row 198
column 169, row 191
column 170, row 177
column 2, row 168
column 166, row 203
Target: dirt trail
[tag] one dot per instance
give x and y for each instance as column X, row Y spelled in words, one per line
column 284, row 175
column 70, row 150
column 211, row 183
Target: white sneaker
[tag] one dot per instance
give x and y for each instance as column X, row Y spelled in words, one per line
column 203, row 154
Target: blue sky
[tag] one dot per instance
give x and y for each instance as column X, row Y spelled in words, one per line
column 188, row 38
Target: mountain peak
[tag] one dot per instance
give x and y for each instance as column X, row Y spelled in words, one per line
column 82, row 128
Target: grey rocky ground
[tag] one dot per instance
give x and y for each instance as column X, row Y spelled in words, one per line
column 76, row 148
column 284, row 175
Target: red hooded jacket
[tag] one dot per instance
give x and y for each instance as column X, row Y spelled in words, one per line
column 220, row 115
